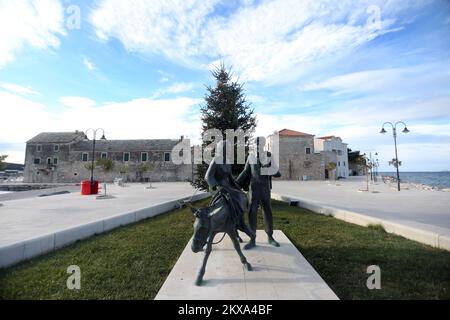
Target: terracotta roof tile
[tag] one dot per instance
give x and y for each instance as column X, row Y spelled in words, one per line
column 293, row 133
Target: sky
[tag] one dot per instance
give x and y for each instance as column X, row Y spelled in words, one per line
column 138, row 69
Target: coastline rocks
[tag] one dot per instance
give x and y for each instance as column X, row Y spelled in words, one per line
column 411, row 185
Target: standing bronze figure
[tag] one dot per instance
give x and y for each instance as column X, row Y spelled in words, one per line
column 225, row 213
column 259, row 185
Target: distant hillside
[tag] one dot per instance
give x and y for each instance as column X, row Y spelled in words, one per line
column 13, row 166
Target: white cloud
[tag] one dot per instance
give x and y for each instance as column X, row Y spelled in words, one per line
column 134, row 119
column 77, row 102
column 37, row 23
column 89, row 64
column 271, row 41
column 169, row 28
column 362, row 125
column 24, row 114
column 164, row 76
column 14, row 156
column 360, row 128
column 427, row 146
column 15, row 88
column 397, row 81
column 442, row 130
column 176, row 88
column 254, row 98
column 416, row 156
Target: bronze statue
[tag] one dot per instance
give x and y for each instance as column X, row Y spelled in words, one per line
column 259, row 185
column 225, row 213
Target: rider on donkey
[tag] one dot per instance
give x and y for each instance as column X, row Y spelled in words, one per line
column 225, row 213
column 219, row 174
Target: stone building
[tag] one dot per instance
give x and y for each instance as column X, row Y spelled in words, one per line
column 298, row 159
column 55, row 157
column 303, row 157
column 334, row 144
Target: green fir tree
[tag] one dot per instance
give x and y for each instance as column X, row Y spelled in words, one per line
column 225, row 108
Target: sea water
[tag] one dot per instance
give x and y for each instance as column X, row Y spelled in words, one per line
column 439, row 180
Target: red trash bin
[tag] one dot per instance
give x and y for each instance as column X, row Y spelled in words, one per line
column 94, row 187
column 86, row 187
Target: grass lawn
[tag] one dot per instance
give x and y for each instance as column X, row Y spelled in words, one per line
column 132, row 262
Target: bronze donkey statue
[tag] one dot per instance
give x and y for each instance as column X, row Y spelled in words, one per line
column 214, row 219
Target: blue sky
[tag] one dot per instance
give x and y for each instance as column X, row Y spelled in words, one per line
column 138, row 69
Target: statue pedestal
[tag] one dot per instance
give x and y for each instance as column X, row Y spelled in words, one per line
column 278, row 273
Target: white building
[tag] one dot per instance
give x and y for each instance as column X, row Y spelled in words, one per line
column 334, row 144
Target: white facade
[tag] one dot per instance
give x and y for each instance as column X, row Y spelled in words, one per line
column 334, row 144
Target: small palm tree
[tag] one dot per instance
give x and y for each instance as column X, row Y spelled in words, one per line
column 331, row 166
column 88, row 166
column 123, row 170
column 107, row 165
column 147, row 167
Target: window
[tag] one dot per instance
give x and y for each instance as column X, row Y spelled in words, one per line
column 38, row 148
column 126, row 156
column 340, row 152
column 308, row 150
column 49, row 160
column 166, row 156
column 344, row 163
column 55, row 161
column 56, row 147
column 144, row 156
column 339, row 163
column 104, row 155
column 84, row 157
column 37, row 161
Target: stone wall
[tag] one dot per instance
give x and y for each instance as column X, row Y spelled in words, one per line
column 71, row 169
column 295, row 162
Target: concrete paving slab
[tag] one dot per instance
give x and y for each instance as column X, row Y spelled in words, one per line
column 24, row 219
column 278, row 274
column 73, row 234
column 38, row 246
column 119, row 220
column 419, row 215
column 12, row 253
column 53, row 223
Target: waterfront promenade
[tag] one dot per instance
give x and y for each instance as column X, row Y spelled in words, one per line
column 28, row 218
column 33, row 226
column 426, row 210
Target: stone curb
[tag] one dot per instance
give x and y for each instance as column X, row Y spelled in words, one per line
column 426, row 237
column 30, row 248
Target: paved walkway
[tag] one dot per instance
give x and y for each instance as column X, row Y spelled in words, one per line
column 278, row 273
column 36, row 193
column 422, row 209
column 29, row 218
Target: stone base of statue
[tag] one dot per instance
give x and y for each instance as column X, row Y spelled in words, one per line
column 278, row 274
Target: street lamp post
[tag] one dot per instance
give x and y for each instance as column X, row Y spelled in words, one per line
column 372, row 161
column 94, row 133
column 366, row 166
column 373, row 170
column 376, row 169
column 394, row 133
column 372, row 164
